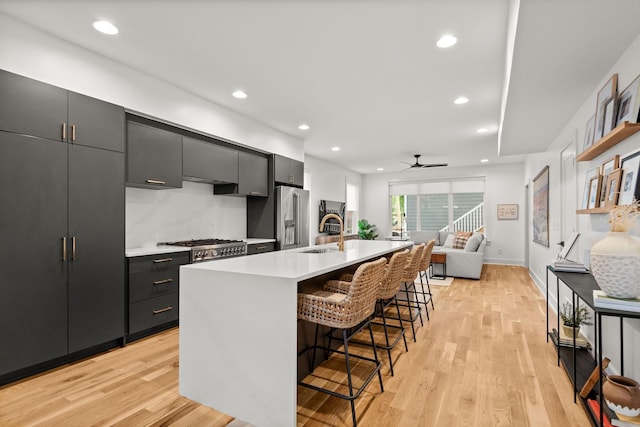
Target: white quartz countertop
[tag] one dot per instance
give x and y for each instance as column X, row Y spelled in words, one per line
column 256, row 241
column 154, row 250
column 298, row 265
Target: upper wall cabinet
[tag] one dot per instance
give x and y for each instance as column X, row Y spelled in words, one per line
column 154, row 157
column 288, row 171
column 206, row 162
column 30, row 107
column 253, row 177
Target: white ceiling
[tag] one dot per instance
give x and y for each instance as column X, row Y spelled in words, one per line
column 366, row 75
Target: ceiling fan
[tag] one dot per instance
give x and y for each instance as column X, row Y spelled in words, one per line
column 418, row 165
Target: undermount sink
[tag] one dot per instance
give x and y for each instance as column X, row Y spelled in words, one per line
column 320, row 251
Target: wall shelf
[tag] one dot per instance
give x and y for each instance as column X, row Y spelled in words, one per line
column 593, row 211
column 617, row 135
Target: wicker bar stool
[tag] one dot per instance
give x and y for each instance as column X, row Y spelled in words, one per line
column 423, row 270
column 348, row 307
column 409, row 275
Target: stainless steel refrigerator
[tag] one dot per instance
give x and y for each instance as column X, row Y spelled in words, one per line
column 292, row 217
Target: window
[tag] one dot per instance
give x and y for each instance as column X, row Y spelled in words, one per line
column 440, row 206
column 351, row 214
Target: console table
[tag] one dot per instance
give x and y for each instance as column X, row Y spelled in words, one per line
column 579, row 363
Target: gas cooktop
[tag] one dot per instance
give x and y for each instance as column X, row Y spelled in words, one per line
column 209, row 249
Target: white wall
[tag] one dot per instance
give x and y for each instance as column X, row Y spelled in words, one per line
column 503, row 184
column 328, row 182
column 591, row 227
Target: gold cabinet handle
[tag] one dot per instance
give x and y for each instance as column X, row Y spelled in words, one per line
column 157, row 261
column 254, row 193
column 73, row 132
column 64, row 131
column 155, row 181
column 259, row 248
column 73, row 248
column 162, row 310
column 162, row 282
column 64, row 249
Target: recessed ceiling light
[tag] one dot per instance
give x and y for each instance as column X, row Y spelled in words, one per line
column 461, row 100
column 335, row 149
column 240, row 94
column 303, row 126
column 482, row 130
column 446, row 41
column 380, row 169
column 484, row 160
column 105, row 27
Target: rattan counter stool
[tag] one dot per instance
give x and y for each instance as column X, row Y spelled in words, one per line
column 348, row 307
column 423, row 270
column 409, row 275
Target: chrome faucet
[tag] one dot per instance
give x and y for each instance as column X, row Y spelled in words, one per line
column 325, row 218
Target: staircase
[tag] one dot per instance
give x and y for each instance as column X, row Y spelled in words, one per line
column 470, row 221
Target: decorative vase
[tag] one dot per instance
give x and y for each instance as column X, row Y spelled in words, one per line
column 622, row 395
column 571, row 331
column 615, row 264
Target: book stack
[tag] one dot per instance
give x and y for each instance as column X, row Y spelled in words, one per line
column 567, row 341
column 602, row 300
column 625, row 421
column 563, row 264
column 595, row 410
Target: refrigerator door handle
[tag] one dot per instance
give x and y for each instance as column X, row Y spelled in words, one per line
column 296, row 215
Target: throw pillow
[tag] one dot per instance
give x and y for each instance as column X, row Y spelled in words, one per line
column 472, row 244
column 448, row 243
column 460, row 240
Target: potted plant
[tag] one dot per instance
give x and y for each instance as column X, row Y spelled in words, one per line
column 366, row 231
column 570, row 324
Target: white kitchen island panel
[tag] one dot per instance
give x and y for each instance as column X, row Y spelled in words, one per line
column 238, row 328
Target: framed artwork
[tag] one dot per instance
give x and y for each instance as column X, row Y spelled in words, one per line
column 607, row 167
column 587, row 186
column 612, row 189
column 594, row 192
column 541, row 207
column 609, row 116
column 630, row 186
column 588, row 133
column 608, row 92
column 508, row 211
column 629, row 105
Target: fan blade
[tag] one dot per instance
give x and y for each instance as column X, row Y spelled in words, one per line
column 435, row 165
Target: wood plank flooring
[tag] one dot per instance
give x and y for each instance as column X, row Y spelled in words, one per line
column 482, row 360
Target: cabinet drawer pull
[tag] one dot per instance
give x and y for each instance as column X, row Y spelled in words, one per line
column 259, row 248
column 162, row 310
column 155, row 181
column 64, row 249
column 64, row 131
column 73, row 248
column 73, row 132
column 255, row 193
column 162, row 282
column 157, row 261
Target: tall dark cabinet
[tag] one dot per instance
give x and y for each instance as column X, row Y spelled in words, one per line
column 62, row 222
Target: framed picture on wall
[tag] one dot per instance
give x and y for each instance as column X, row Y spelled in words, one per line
column 612, row 189
column 608, row 91
column 541, row 207
column 609, row 116
column 508, row 211
column 587, row 182
column 607, row 167
column 595, row 184
column 629, row 106
column 588, row 133
column 630, row 186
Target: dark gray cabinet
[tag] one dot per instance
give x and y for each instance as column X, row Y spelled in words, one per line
column 288, row 171
column 207, row 162
column 96, row 262
column 33, row 275
column 153, row 291
column 154, row 157
column 34, row 108
column 253, row 172
column 259, row 248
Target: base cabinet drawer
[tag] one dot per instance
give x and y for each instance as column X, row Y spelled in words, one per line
column 258, row 248
column 161, row 262
column 150, row 284
column 152, row 312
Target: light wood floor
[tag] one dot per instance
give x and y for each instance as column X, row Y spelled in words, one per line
column 482, row 360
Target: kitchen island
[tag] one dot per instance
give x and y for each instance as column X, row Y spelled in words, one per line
column 238, row 326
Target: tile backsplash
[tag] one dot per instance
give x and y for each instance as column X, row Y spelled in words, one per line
column 190, row 212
